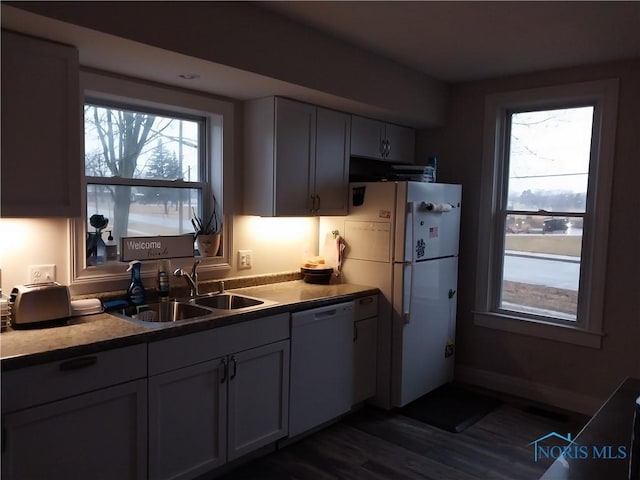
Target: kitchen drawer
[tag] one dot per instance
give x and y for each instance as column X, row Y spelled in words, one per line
column 174, row 353
column 366, row 307
column 40, row 384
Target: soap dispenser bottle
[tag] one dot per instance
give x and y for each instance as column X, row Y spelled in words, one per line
column 135, row 292
column 164, row 266
column 111, row 248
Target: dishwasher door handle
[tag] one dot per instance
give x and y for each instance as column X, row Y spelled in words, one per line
column 325, row 315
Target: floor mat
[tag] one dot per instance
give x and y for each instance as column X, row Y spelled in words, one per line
column 451, row 408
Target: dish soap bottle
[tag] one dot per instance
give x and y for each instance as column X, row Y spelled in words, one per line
column 135, row 292
column 163, row 280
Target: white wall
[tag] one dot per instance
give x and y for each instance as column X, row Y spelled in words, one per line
column 33, row 242
column 278, row 245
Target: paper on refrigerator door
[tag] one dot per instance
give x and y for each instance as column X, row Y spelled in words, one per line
column 368, row 240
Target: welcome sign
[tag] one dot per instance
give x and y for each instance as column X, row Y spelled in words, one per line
column 154, row 248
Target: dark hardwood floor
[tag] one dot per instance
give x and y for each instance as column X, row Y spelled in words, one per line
column 377, row 444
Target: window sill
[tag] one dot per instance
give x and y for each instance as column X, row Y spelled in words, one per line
column 559, row 333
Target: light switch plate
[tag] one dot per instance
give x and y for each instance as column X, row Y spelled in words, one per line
column 245, row 259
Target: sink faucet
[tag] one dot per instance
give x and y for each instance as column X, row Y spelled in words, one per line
column 192, row 279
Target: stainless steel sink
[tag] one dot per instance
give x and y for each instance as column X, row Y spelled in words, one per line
column 227, row 301
column 164, row 312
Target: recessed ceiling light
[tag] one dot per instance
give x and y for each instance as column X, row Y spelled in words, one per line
column 189, row 76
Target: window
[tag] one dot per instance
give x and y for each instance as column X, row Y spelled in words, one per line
column 546, row 186
column 143, row 174
column 153, row 156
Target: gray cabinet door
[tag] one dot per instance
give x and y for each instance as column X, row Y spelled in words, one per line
column 294, row 157
column 41, row 128
column 367, row 138
column 382, row 141
column 97, row 435
column 364, row 355
column 331, row 170
column 258, row 397
column 187, row 421
column 401, row 142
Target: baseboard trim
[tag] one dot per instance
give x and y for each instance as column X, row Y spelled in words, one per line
column 519, row 387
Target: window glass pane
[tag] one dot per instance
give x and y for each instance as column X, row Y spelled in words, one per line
column 541, row 265
column 130, row 144
column 549, row 153
column 139, row 211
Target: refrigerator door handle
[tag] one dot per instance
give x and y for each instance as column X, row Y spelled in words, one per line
column 406, row 300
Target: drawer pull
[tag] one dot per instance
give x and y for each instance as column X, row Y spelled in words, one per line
column 235, row 368
column 367, row 300
column 78, row 363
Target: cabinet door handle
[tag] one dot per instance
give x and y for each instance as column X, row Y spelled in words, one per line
column 78, row 363
column 318, row 207
column 235, row 368
column 382, row 148
column 225, row 369
column 388, row 148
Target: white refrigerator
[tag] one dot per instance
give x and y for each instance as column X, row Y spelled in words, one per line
column 402, row 237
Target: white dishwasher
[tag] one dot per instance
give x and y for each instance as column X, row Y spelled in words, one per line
column 321, row 383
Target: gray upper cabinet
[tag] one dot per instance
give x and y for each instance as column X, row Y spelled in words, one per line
column 296, row 159
column 331, row 170
column 41, row 129
column 382, row 141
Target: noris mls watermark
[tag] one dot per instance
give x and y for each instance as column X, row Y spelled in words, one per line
column 554, row 445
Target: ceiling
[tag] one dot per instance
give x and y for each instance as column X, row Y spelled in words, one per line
column 457, row 41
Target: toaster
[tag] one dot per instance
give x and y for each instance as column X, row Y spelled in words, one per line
column 38, row 303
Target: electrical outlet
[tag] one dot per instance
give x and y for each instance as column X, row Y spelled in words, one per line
column 41, row 273
column 244, row 259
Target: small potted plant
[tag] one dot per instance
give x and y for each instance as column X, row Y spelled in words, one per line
column 207, row 233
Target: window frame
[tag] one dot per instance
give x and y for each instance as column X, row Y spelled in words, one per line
column 111, row 90
column 587, row 330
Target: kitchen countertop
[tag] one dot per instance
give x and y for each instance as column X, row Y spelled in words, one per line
column 102, row 331
column 609, row 430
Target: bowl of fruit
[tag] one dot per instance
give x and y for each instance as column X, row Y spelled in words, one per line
column 315, row 270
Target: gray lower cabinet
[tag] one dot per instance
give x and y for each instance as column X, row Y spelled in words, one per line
column 365, row 340
column 64, row 420
column 217, row 395
column 187, row 421
column 258, row 398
